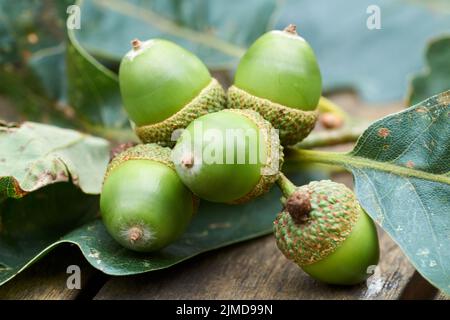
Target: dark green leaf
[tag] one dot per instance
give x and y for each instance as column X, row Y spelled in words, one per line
column 32, row 59
column 404, row 183
column 32, row 225
column 49, row 79
column 401, row 166
column 436, row 77
column 35, row 155
column 94, row 95
column 213, row 227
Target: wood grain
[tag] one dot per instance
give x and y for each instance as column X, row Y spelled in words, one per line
column 257, row 270
column 47, row 278
column 442, row 296
column 252, row 270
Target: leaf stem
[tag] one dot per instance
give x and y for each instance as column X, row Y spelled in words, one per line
column 349, row 161
column 329, row 138
column 286, row 186
column 150, row 17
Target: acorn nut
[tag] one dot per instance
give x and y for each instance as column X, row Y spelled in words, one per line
column 164, row 87
column 279, row 77
column 325, row 231
column 144, row 205
column 230, row 156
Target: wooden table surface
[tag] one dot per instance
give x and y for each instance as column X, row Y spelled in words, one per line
column 252, row 270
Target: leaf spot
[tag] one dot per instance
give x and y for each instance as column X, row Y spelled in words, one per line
column 423, row 252
column 94, row 254
column 32, row 38
column 421, row 110
column 410, row 164
column 383, row 133
column 224, row 225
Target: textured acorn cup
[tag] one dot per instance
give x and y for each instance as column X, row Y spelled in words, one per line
column 164, row 87
column 325, row 231
column 220, row 168
column 144, row 204
column 279, row 77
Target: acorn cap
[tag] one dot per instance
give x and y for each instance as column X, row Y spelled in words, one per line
column 151, row 152
column 293, row 124
column 316, row 220
column 164, row 87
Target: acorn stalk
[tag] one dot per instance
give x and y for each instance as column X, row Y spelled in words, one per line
column 324, row 230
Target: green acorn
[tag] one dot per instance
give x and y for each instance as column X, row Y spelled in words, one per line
column 230, row 156
column 279, row 77
column 325, row 231
column 164, row 87
column 144, row 204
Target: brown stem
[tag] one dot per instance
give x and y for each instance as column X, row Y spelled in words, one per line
column 134, row 234
column 136, row 43
column 292, row 28
column 187, row 161
column 299, row 205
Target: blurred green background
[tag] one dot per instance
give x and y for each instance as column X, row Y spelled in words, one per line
column 67, row 77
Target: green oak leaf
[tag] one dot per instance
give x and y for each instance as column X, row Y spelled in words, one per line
column 35, row 155
column 32, row 64
column 31, row 225
column 49, row 78
column 401, row 167
column 214, row 226
column 436, row 77
column 217, row 31
column 94, row 95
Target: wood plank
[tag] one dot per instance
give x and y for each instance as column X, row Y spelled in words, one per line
column 253, row 270
column 441, row 296
column 257, row 270
column 47, row 278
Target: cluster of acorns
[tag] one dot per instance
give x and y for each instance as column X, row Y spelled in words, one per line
column 150, row 191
